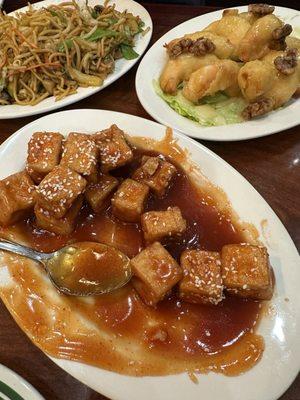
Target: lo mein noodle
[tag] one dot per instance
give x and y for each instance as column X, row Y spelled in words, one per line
column 53, row 50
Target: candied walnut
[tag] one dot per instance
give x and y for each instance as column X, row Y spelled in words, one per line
column 278, row 45
column 260, row 107
column 281, row 33
column 198, row 47
column 292, row 52
column 182, row 46
column 202, row 46
column 261, row 9
column 287, row 63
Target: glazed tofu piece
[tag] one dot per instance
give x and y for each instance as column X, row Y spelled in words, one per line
column 157, row 225
column 59, row 226
column 113, row 148
column 246, row 271
column 80, row 154
column 98, row 193
column 156, row 173
column 155, row 273
column 202, row 280
column 128, row 201
column 59, row 189
column 44, row 151
column 16, row 197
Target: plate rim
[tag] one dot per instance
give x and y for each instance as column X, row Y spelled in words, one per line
column 18, row 380
column 76, row 365
column 68, row 100
column 205, row 133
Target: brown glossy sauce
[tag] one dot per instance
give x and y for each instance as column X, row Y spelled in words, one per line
column 89, row 267
column 121, row 333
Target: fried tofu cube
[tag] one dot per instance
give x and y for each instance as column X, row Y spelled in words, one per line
column 98, row 193
column 113, row 148
column 44, row 151
column 156, row 173
column 16, row 197
column 59, row 226
column 202, row 280
column 80, row 154
column 157, row 225
column 246, row 271
column 128, row 201
column 59, row 189
column 155, row 273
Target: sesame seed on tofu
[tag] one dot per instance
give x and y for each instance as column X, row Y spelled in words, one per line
column 202, row 281
column 59, row 189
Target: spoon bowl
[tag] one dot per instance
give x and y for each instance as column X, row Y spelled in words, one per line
column 80, row 269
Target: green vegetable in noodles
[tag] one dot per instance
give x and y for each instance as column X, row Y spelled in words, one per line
column 68, row 43
column 100, row 33
column 127, row 52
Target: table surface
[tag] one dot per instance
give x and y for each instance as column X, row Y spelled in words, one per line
column 271, row 164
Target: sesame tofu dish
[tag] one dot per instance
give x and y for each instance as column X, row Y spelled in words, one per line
column 200, row 280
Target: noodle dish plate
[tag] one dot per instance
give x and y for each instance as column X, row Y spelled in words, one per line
column 139, row 41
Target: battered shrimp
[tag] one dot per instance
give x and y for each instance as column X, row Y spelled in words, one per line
column 255, row 43
column 223, row 47
column 255, row 78
column 249, row 16
column 210, row 79
column 232, row 27
column 284, row 86
column 180, row 69
column 265, row 86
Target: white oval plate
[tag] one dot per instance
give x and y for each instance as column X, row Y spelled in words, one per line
column 281, row 358
column 121, row 66
column 276, row 121
column 16, row 384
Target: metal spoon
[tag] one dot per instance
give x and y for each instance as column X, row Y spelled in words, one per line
column 80, row 269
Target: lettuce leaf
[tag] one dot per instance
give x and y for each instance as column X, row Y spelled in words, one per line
column 211, row 111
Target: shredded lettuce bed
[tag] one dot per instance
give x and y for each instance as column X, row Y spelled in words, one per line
column 211, row 111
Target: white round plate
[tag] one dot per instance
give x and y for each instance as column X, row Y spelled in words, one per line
column 121, row 66
column 156, row 56
column 281, row 359
column 13, row 387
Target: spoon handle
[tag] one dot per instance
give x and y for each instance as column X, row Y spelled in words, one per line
column 22, row 250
